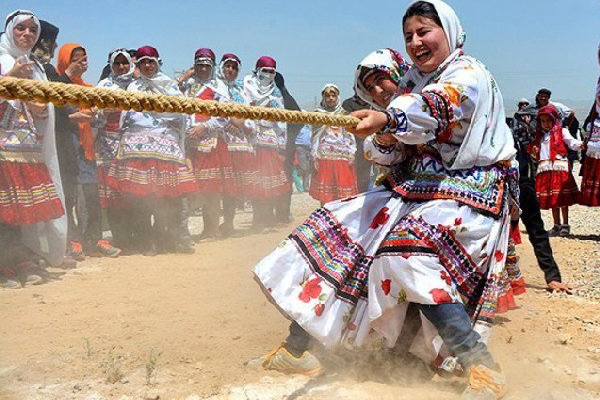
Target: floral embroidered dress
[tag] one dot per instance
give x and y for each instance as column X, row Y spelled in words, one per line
column 108, row 134
column 151, row 158
column 333, row 149
column 30, row 186
column 436, row 232
column 210, row 157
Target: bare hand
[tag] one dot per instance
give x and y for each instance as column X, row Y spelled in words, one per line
column 556, row 286
column 196, row 131
column 186, row 75
column 22, row 69
column 371, row 122
column 77, row 68
column 316, row 165
column 81, row 116
column 386, row 139
column 38, row 110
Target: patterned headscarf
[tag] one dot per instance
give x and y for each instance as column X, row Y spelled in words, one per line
column 388, row 61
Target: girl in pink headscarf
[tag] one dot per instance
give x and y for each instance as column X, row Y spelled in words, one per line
column 554, row 183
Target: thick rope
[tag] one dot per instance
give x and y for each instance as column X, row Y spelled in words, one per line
column 86, row 97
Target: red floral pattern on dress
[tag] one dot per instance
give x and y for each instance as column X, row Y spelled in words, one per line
column 351, row 326
column 440, row 296
column 311, row 290
column 445, row 277
column 381, row 218
column 457, row 221
column 499, row 255
column 319, row 308
column 386, row 286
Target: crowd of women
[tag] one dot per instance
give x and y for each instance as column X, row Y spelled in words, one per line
column 62, row 165
column 423, row 261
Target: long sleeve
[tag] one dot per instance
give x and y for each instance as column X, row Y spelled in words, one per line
column 315, row 136
column 440, row 111
column 571, row 142
column 381, row 155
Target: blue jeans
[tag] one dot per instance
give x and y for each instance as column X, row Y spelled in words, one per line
column 454, row 327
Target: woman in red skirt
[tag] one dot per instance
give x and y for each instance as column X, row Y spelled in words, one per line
column 555, row 185
column 237, row 134
column 269, row 142
column 31, row 205
column 208, row 151
column 151, row 167
column 332, row 150
column 590, row 170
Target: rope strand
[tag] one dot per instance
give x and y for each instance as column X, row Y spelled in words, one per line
column 61, row 94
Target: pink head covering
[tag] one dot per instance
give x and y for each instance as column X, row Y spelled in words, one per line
column 230, row 57
column 266, row 62
column 204, row 56
column 148, row 52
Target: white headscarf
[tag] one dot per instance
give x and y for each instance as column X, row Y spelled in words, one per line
column 125, row 79
column 217, row 85
column 7, row 41
column 118, row 81
column 256, row 91
column 488, row 139
column 453, row 29
column 47, row 239
column 159, row 83
column 337, row 109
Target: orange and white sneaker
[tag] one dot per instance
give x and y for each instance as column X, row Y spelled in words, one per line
column 76, row 251
column 283, row 361
column 484, row 384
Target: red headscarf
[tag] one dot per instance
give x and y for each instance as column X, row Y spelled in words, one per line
column 266, row 62
column 557, row 144
column 86, row 137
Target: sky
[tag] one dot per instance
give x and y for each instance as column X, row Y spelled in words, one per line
column 527, row 44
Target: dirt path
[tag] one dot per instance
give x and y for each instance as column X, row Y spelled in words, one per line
column 203, row 318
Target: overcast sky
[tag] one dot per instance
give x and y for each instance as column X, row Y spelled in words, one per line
column 527, row 44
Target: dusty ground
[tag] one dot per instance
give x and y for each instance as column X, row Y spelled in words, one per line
column 189, row 327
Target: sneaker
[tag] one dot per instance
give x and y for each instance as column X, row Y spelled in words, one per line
column 76, row 251
column 283, row 361
column 32, row 278
column 565, row 230
column 484, row 384
column 103, row 248
column 9, row 283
